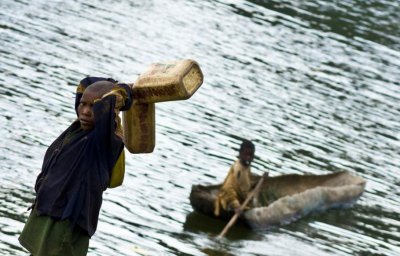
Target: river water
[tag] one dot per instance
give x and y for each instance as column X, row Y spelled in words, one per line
column 315, row 85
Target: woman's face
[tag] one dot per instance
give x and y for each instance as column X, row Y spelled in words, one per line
column 85, row 109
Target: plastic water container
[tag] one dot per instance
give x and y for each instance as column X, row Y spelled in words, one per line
column 169, row 81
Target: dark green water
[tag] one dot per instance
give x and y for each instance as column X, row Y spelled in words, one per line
column 315, row 84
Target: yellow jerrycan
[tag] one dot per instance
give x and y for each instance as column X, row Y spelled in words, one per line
column 169, row 81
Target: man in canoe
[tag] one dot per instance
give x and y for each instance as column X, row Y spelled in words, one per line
column 237, row 183
column 76, row 170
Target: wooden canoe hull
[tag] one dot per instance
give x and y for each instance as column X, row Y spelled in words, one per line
column 286, row 198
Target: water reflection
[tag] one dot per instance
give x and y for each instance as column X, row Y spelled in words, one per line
column 356, row 19
column 313, row 83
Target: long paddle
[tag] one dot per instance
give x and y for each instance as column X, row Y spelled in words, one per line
column 237, row 214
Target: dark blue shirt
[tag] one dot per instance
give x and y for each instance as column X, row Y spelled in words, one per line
column 78, row 164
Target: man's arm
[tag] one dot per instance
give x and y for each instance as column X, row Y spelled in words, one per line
column 229, row 191
column 107, row 128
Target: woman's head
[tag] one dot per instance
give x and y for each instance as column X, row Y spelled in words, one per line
column 85, row 108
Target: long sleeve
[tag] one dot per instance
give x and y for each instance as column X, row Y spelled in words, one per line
column 108, row 130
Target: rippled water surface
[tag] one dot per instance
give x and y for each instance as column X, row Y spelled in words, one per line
column 315, row 84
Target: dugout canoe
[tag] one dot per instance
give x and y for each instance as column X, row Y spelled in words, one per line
column 286, row 198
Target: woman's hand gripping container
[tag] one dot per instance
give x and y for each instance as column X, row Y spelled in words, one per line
column 175, row 80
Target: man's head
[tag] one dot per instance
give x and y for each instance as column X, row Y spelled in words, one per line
column 246, row 152
column 85, row 108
